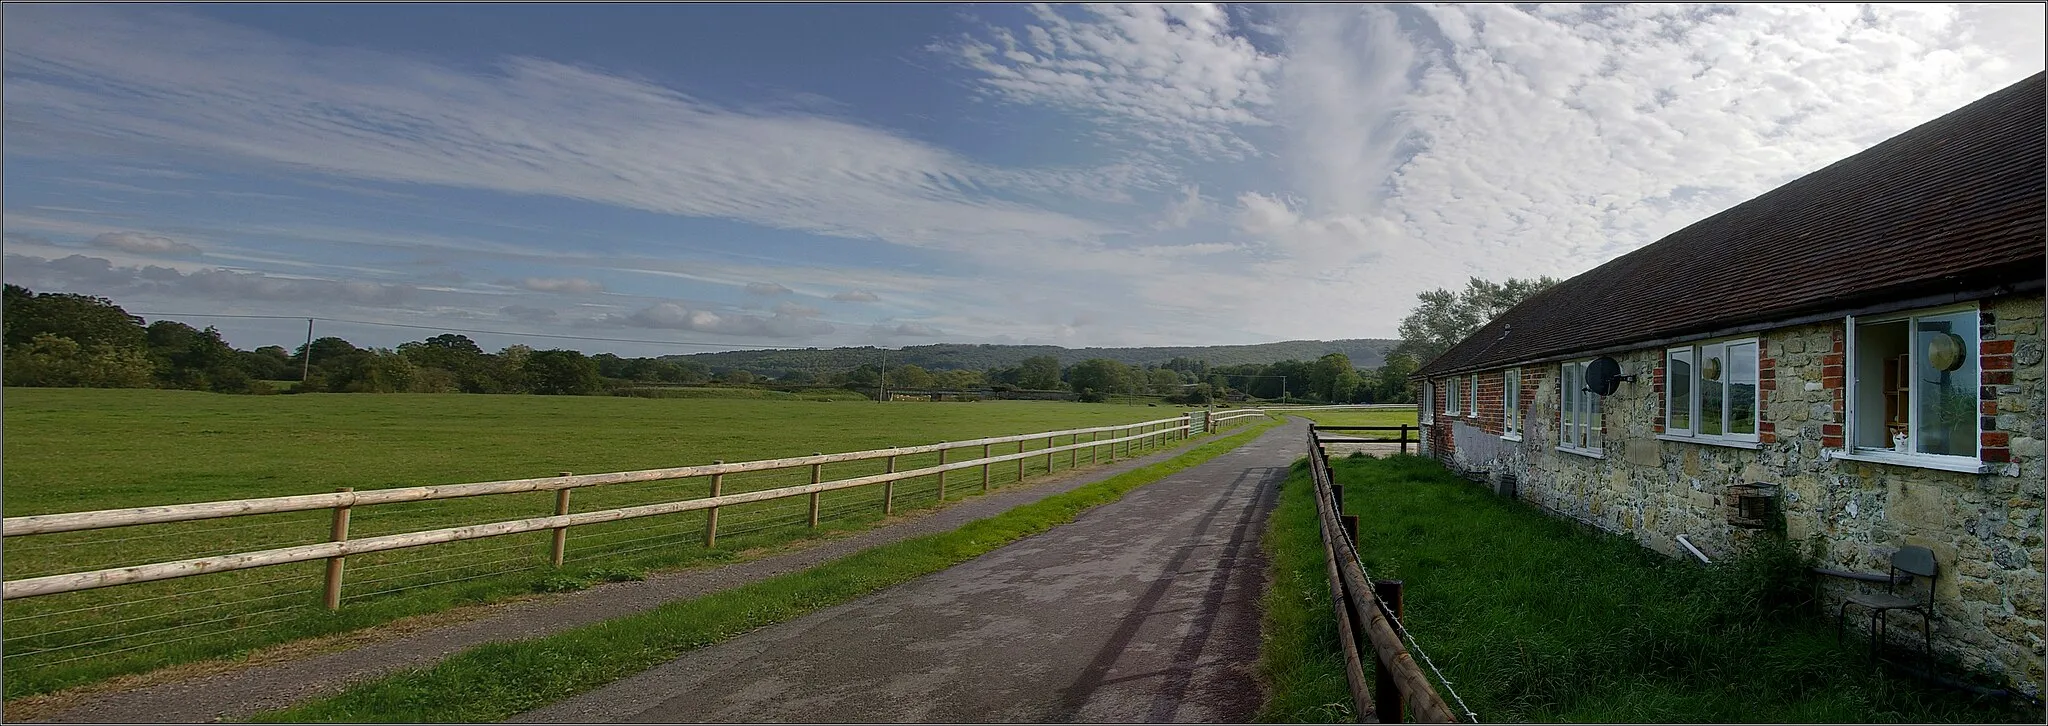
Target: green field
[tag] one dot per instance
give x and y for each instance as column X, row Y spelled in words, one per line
column 80, row 449
column 1360, row 418
column 1538, row 619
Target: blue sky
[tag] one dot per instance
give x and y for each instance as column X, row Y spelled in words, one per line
column 819, row 175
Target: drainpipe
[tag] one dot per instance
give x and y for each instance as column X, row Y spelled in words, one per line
column 1694, row 550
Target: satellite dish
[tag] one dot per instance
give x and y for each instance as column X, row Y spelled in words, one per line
column 1603, row 376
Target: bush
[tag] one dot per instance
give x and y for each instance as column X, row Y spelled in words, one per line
column 1090, row 395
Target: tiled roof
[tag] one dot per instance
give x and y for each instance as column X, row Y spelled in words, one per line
column 1953, row 205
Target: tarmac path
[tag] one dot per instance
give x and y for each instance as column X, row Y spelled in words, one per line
column 1143, row 610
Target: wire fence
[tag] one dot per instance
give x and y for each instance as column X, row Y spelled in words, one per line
column 56, row 640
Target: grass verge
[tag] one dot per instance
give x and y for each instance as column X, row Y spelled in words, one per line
column 1299, row 659
column 1535, row 618
column 497, row 681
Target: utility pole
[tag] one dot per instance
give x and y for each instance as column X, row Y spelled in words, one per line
column 306, row 356
column 882, row 390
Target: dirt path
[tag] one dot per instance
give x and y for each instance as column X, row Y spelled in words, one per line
column 1141, row 610
column 240, row 692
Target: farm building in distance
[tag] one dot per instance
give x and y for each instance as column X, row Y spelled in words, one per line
column 1855, row 356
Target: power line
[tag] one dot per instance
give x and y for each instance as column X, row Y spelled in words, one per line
column 463, row 330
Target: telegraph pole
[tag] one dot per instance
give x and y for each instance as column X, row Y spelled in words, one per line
column 882, row 390
column 306, row 356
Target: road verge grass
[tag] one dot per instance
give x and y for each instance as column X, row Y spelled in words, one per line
column 496, row 681
column 1536, row 619
column 1299, row 660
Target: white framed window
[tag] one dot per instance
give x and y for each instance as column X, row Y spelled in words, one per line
column 1451, row 397
column 1511, row 403
column 1428, row 413
column 1472, row 396
column 1912, row 382
column 1578, row 411
column 1679, row 402
column 1711, row 393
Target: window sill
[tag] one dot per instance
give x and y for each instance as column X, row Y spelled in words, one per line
column 1511, row 437
column 1588, row 453
column 1751, row 445
column 1919, row 461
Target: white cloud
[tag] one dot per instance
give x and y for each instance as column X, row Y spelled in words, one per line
column 99, row 276
column 159, row 78
column 528, row 314
column 766, row 289
column 1386, row 151
column 573, row 285
column 795, row 310
column 144, row 244
column 1172, row 76
column 675, row 316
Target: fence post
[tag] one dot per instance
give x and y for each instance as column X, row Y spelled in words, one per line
column 711, row 515
column 942, row 475
column 1020, row 461
column 889, row 489
column 984, row 468
column 1112, row 445
column 1404, row 438
column 1337, row 493
column 339, row 533
column 817, row 475
column 1187, row 426
column 1073, row 455
column 1048, row 454
column 1351, row 528
column 1094, row 452
column 561, row 543
column 1386, row 694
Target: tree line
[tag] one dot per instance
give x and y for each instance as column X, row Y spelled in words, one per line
column 64, row 339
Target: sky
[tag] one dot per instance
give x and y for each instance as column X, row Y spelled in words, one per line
column 701, row 177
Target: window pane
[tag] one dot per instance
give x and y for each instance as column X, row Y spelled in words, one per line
column 1511, row 396
column 1713, row 388
column 1944, row 357
column 1567, row 411
column 1593, row 437
column 1742, row 388
column 1678, row 385
column 1882, row 388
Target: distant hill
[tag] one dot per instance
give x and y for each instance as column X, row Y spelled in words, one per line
column 1364, row 353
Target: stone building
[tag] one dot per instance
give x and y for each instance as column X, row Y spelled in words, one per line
column 1855, row 357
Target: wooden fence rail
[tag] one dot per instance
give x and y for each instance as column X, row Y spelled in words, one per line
column 1359, row 613
column 342, row 502
column 1402, row 439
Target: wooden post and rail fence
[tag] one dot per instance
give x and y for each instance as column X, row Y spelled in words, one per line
column 1403, row 438
column 339, row 545
column 1362, row 623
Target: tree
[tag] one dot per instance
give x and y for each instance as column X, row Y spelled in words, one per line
column 562, row 373
column 1332, row 378
column 372, row 371
column 196, row 359
column 1100, row 375
column 1442, row 317
column 1391, row 380
column 53, row 360
column 87, row 321
column 909, row 376
column 736, row 377
column 1163, row 381
column 1040, row 373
